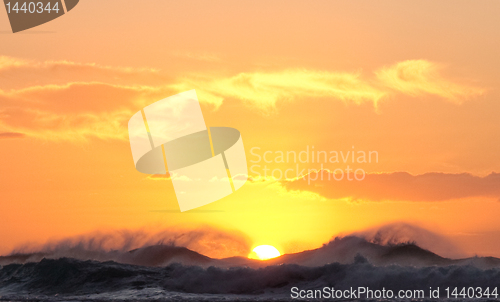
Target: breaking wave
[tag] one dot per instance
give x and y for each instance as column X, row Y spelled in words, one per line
column 384, row 258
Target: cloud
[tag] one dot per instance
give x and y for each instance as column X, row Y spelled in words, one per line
column 8, row 62
column 74, row 111
column 18, row 73
column 399, row 186
column 11, row 135
column 419, row 77
column 62, row 100
column 265, row 89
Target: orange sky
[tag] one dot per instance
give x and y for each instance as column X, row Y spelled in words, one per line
column 416, row 82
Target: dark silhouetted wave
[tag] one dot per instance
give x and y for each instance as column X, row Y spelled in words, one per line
column 175, row 273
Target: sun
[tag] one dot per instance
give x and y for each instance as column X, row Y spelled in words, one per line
column 264, row 252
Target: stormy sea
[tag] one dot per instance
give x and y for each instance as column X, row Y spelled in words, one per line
column 165, row 272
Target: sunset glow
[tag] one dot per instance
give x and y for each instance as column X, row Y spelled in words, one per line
column 412, row 85
column 264, row 252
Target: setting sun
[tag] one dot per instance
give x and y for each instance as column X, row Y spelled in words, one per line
column 264, row 252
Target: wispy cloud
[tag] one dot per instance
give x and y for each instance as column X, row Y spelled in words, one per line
column 11, row 135
column 419, row 77
column 68, row 100
column 18, row 74
column 265, row 89
column 74, row 111
column 8, row 62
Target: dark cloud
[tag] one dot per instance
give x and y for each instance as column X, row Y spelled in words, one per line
column 400, row 186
